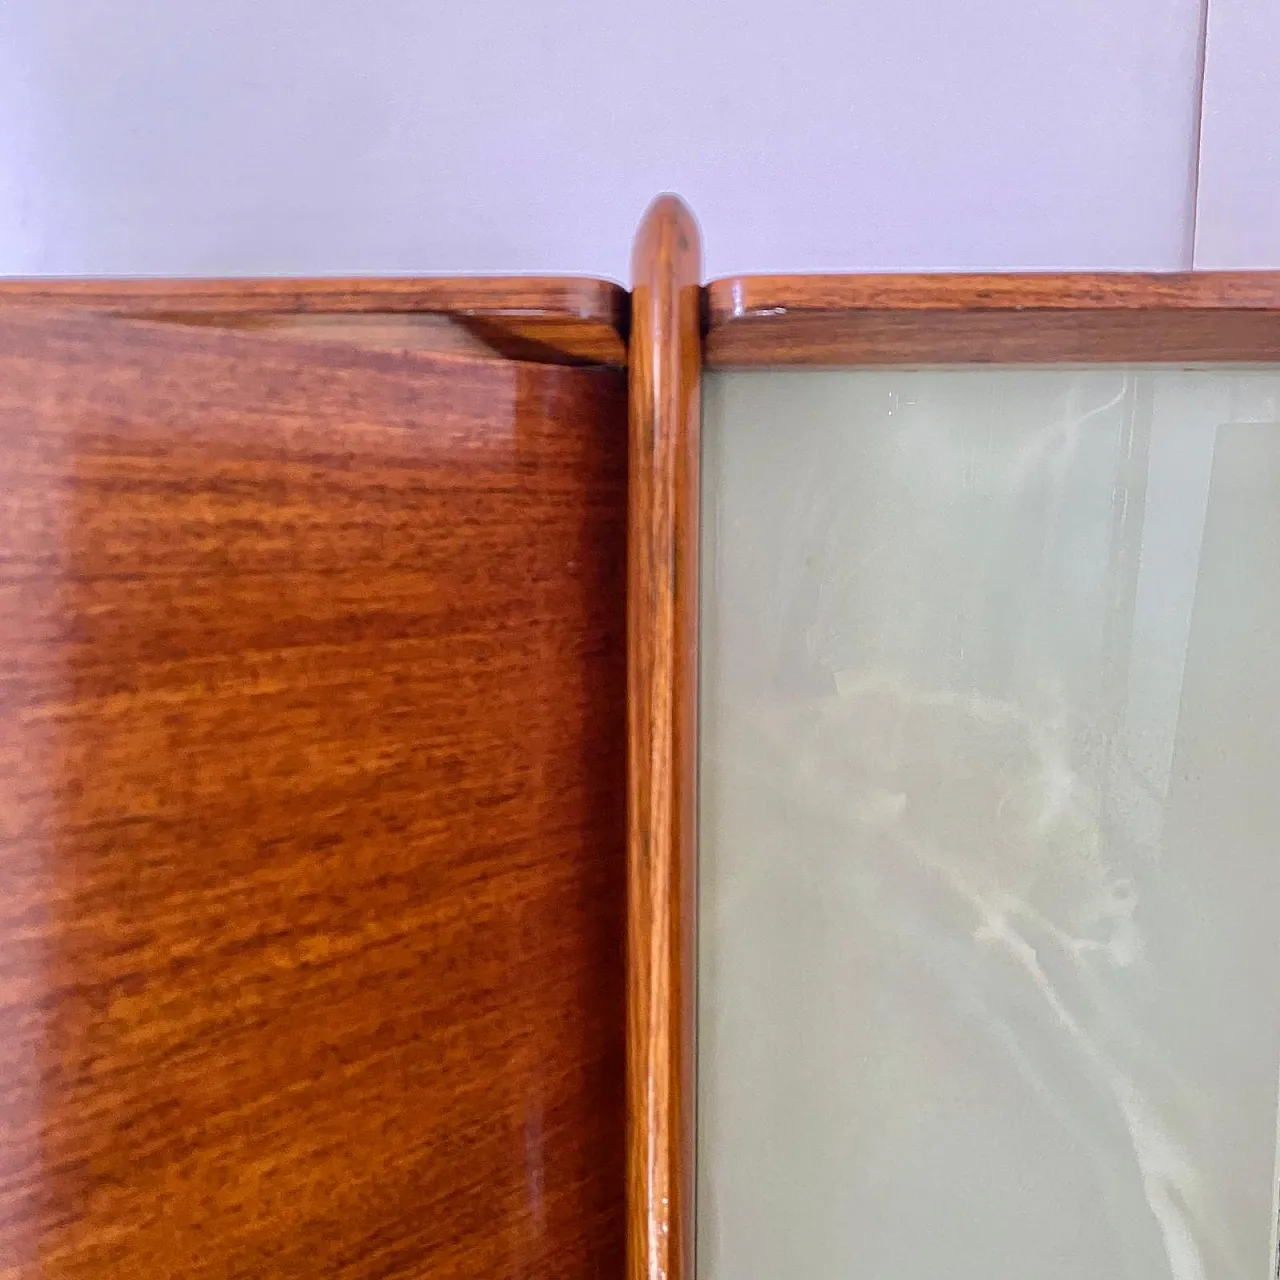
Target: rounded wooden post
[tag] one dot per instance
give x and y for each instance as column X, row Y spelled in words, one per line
column 665, row 361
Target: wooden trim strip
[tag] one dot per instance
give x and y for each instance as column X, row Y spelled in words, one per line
column 662, row 621
column 526, row 317
column 1014, row 318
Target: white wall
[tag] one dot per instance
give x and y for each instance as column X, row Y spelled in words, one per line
column 1238, row 222
column 330, row 136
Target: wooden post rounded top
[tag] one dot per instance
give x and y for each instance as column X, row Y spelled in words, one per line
column 668, row 245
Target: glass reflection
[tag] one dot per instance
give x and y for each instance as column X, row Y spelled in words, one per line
column 989, row 816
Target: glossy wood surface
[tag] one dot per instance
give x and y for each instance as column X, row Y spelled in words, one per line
column 662, row 628
column 549, row 319
column 311, row 817
column 938, row 319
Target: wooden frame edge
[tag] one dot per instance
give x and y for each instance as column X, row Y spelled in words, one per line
column 580, row 320
column 1085, row 317
column 662, row 619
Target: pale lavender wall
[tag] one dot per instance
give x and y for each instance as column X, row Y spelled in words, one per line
column 471, row 135
column 1238, row 223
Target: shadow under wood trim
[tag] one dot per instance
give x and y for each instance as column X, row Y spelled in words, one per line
column 543, row 319
column 662, row 606
column 1014, row 318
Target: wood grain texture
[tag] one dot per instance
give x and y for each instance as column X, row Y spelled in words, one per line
column 545, row 319
column 662, row 628
column 936, row 319
column 311, row 809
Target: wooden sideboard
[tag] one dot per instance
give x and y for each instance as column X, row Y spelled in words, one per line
column 349, row 747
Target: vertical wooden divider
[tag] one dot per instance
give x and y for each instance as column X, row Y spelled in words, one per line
column 665, row 366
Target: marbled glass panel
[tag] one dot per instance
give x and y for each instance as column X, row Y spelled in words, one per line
column 990, row 825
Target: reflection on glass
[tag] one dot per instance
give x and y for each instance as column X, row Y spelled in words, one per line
column 990, row 825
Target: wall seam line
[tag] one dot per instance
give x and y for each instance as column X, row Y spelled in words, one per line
column 1197, row 136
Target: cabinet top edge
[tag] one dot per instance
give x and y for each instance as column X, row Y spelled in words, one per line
column 1017, row 317
column 579, row 297
column 579, row 318
column 733, row 298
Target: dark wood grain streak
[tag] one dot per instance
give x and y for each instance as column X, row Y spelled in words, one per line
column 934, row 319
column 311, row 809
column 550, row 319
column 662, row 621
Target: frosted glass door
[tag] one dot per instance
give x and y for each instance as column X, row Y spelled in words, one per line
column 989, row 825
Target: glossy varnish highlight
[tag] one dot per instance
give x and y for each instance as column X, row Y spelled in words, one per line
column 311, row 779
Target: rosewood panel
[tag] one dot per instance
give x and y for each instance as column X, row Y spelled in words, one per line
column 311, row 818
